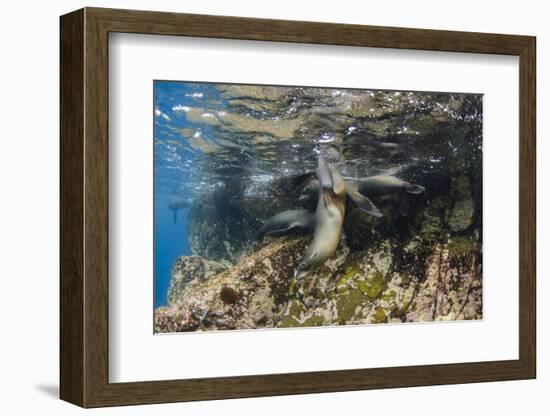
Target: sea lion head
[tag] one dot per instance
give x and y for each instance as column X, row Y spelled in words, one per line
column 304, row 268
column 324, row 173
column 330, row 179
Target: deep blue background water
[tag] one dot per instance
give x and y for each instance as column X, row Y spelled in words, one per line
column 173, row 164
column 170, row 243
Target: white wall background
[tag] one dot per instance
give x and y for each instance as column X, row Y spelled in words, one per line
column 29, row 161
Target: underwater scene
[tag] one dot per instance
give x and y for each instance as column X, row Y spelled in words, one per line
column 290, row 206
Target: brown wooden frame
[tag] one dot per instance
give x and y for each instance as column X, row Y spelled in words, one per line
column 84, row 207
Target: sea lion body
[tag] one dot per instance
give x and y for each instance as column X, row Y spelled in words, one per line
column 289, row 222
column 329, row 217
column 385, row 184
column 359, row 190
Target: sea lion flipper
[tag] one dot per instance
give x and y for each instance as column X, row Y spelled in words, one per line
column 365, row 204
column 324, row 174
column 415, row 189
column 300, row 221
column 283, row 231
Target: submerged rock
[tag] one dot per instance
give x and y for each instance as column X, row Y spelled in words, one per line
column 225, row 224
column 418, row 282
column 463, row 209
column 261, row 280
column 219, row 229
column 188, row 269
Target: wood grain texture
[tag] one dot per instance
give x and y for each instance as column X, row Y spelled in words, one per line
column 85, row 219
column 96, row 206
column 71, row 208
column 527, row 208
column 162, row 23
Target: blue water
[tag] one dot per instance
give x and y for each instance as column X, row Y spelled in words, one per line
column 170, row 243
column 174, row 171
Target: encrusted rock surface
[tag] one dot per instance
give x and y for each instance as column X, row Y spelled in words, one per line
column 371, row 286
column 189, row 271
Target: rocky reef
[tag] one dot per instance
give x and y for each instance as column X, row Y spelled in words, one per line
column 415, row 264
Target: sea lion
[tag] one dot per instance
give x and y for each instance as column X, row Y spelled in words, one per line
column 177, row 205
column 352, row 191
column 386, row 184
column 329, row 217
column 294, row 221
column 359, row 190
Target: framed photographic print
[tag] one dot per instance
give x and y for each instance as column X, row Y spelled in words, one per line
column 261, row 207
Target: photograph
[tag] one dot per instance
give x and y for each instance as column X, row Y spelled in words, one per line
column 302, row 206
